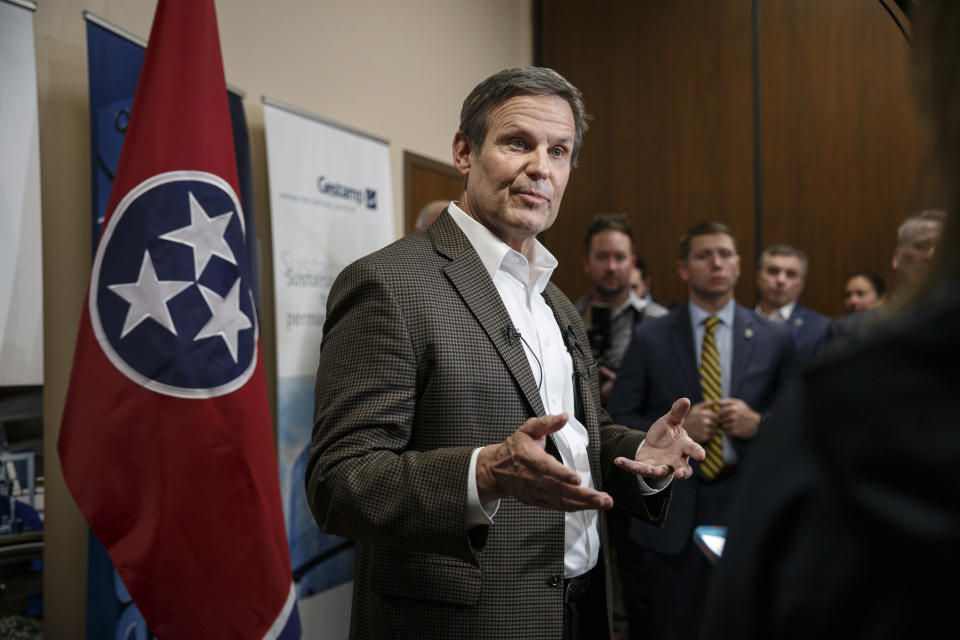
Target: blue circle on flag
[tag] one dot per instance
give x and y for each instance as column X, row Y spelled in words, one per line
column 170, row 296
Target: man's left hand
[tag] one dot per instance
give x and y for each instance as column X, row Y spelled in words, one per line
column 667, row 448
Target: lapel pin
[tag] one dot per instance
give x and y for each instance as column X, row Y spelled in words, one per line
column 748, row 333
column 798, row 322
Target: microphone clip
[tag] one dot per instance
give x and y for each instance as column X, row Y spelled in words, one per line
column 512, row 334
column 571, row 341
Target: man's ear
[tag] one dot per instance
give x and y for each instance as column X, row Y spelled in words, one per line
column 462, row 148
column 895, row 261
column 682, row 269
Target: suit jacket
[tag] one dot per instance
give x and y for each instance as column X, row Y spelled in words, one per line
column 416, row 370
column 854, row 326
column 659, row 367
column 809, row 330
column 848, row 513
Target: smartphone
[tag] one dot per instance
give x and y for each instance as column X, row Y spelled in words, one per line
column 710, row 539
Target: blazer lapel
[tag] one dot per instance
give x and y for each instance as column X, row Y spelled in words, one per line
column 744, row 328
column 469, row 277
column 583, row 380
column 681, row 337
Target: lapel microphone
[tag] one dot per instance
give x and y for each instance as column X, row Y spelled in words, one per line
column 571, row 341
column 512, row 334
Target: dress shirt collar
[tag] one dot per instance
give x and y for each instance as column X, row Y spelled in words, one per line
column 633, row 300
column 786, row 311
column 496, row 255
column 698, row 315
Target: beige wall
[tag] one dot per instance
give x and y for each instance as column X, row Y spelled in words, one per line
column 398, row 70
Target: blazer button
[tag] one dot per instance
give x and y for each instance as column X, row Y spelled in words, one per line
column 555, row 580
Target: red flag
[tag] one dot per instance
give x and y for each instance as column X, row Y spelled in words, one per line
column 166, row 442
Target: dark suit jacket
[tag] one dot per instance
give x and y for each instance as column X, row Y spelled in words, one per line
column 848, row 518
column 809, row 330
column 659, row 367
column 415, row 372
column 854, row 326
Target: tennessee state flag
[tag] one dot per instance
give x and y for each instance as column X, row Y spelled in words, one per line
column 167, row 442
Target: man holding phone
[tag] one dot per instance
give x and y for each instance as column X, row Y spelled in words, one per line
column 612, row 309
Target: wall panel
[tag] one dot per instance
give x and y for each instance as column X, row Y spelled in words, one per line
column 672, row 88
column 840, row 144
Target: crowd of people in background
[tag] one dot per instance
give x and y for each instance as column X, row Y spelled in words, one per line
column 647, row 357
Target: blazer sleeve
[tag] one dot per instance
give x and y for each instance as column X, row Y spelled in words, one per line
column 363, row 480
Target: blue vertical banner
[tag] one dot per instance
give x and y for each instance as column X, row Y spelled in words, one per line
column 115, row 58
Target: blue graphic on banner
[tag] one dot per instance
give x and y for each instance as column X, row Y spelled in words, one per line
column 319, row 561
column 114, row 616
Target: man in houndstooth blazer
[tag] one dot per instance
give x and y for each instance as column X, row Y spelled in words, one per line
column 432, row 447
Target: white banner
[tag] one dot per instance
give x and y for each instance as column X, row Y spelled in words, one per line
column 330, row 203
column 21, row 276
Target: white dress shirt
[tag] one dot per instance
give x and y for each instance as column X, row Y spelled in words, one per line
column 520, row 284
column 778, row 315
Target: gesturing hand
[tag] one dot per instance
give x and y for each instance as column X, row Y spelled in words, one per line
column 667, row 448
column 521, row 467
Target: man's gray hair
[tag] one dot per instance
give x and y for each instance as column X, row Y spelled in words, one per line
column 905, row 232
column 520, row 81
column 785, row 250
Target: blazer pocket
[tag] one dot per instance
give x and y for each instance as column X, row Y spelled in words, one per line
column 426, row 577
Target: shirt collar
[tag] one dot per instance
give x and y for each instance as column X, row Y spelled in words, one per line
column 786, row 311
column 496, row 255
column 635, row 301
column 698, row 315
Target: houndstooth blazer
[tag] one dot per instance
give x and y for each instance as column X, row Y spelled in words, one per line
column 415, row 372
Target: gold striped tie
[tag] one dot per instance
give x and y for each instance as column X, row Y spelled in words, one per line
column 710, row 385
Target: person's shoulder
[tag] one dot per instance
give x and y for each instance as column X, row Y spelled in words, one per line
column 560, row 299
column 758, row 321
column 653, row 310
column 658, row 326
column 809, row 318
column 407, row 250
column 920, row 335
column 405, row 266
column 757, row 327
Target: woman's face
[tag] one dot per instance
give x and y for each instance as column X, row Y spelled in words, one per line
column 859, row 294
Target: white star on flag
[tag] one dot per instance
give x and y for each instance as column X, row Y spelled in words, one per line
column 205, row 235
column 227, row 320
column 148, row 297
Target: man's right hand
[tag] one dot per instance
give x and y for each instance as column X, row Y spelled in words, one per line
column 701, row 421
column 521, row 467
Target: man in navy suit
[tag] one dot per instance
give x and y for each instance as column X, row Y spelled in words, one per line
column 663, row 574
column 781, row 276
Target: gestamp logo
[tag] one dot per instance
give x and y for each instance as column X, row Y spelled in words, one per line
column 359, row 197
